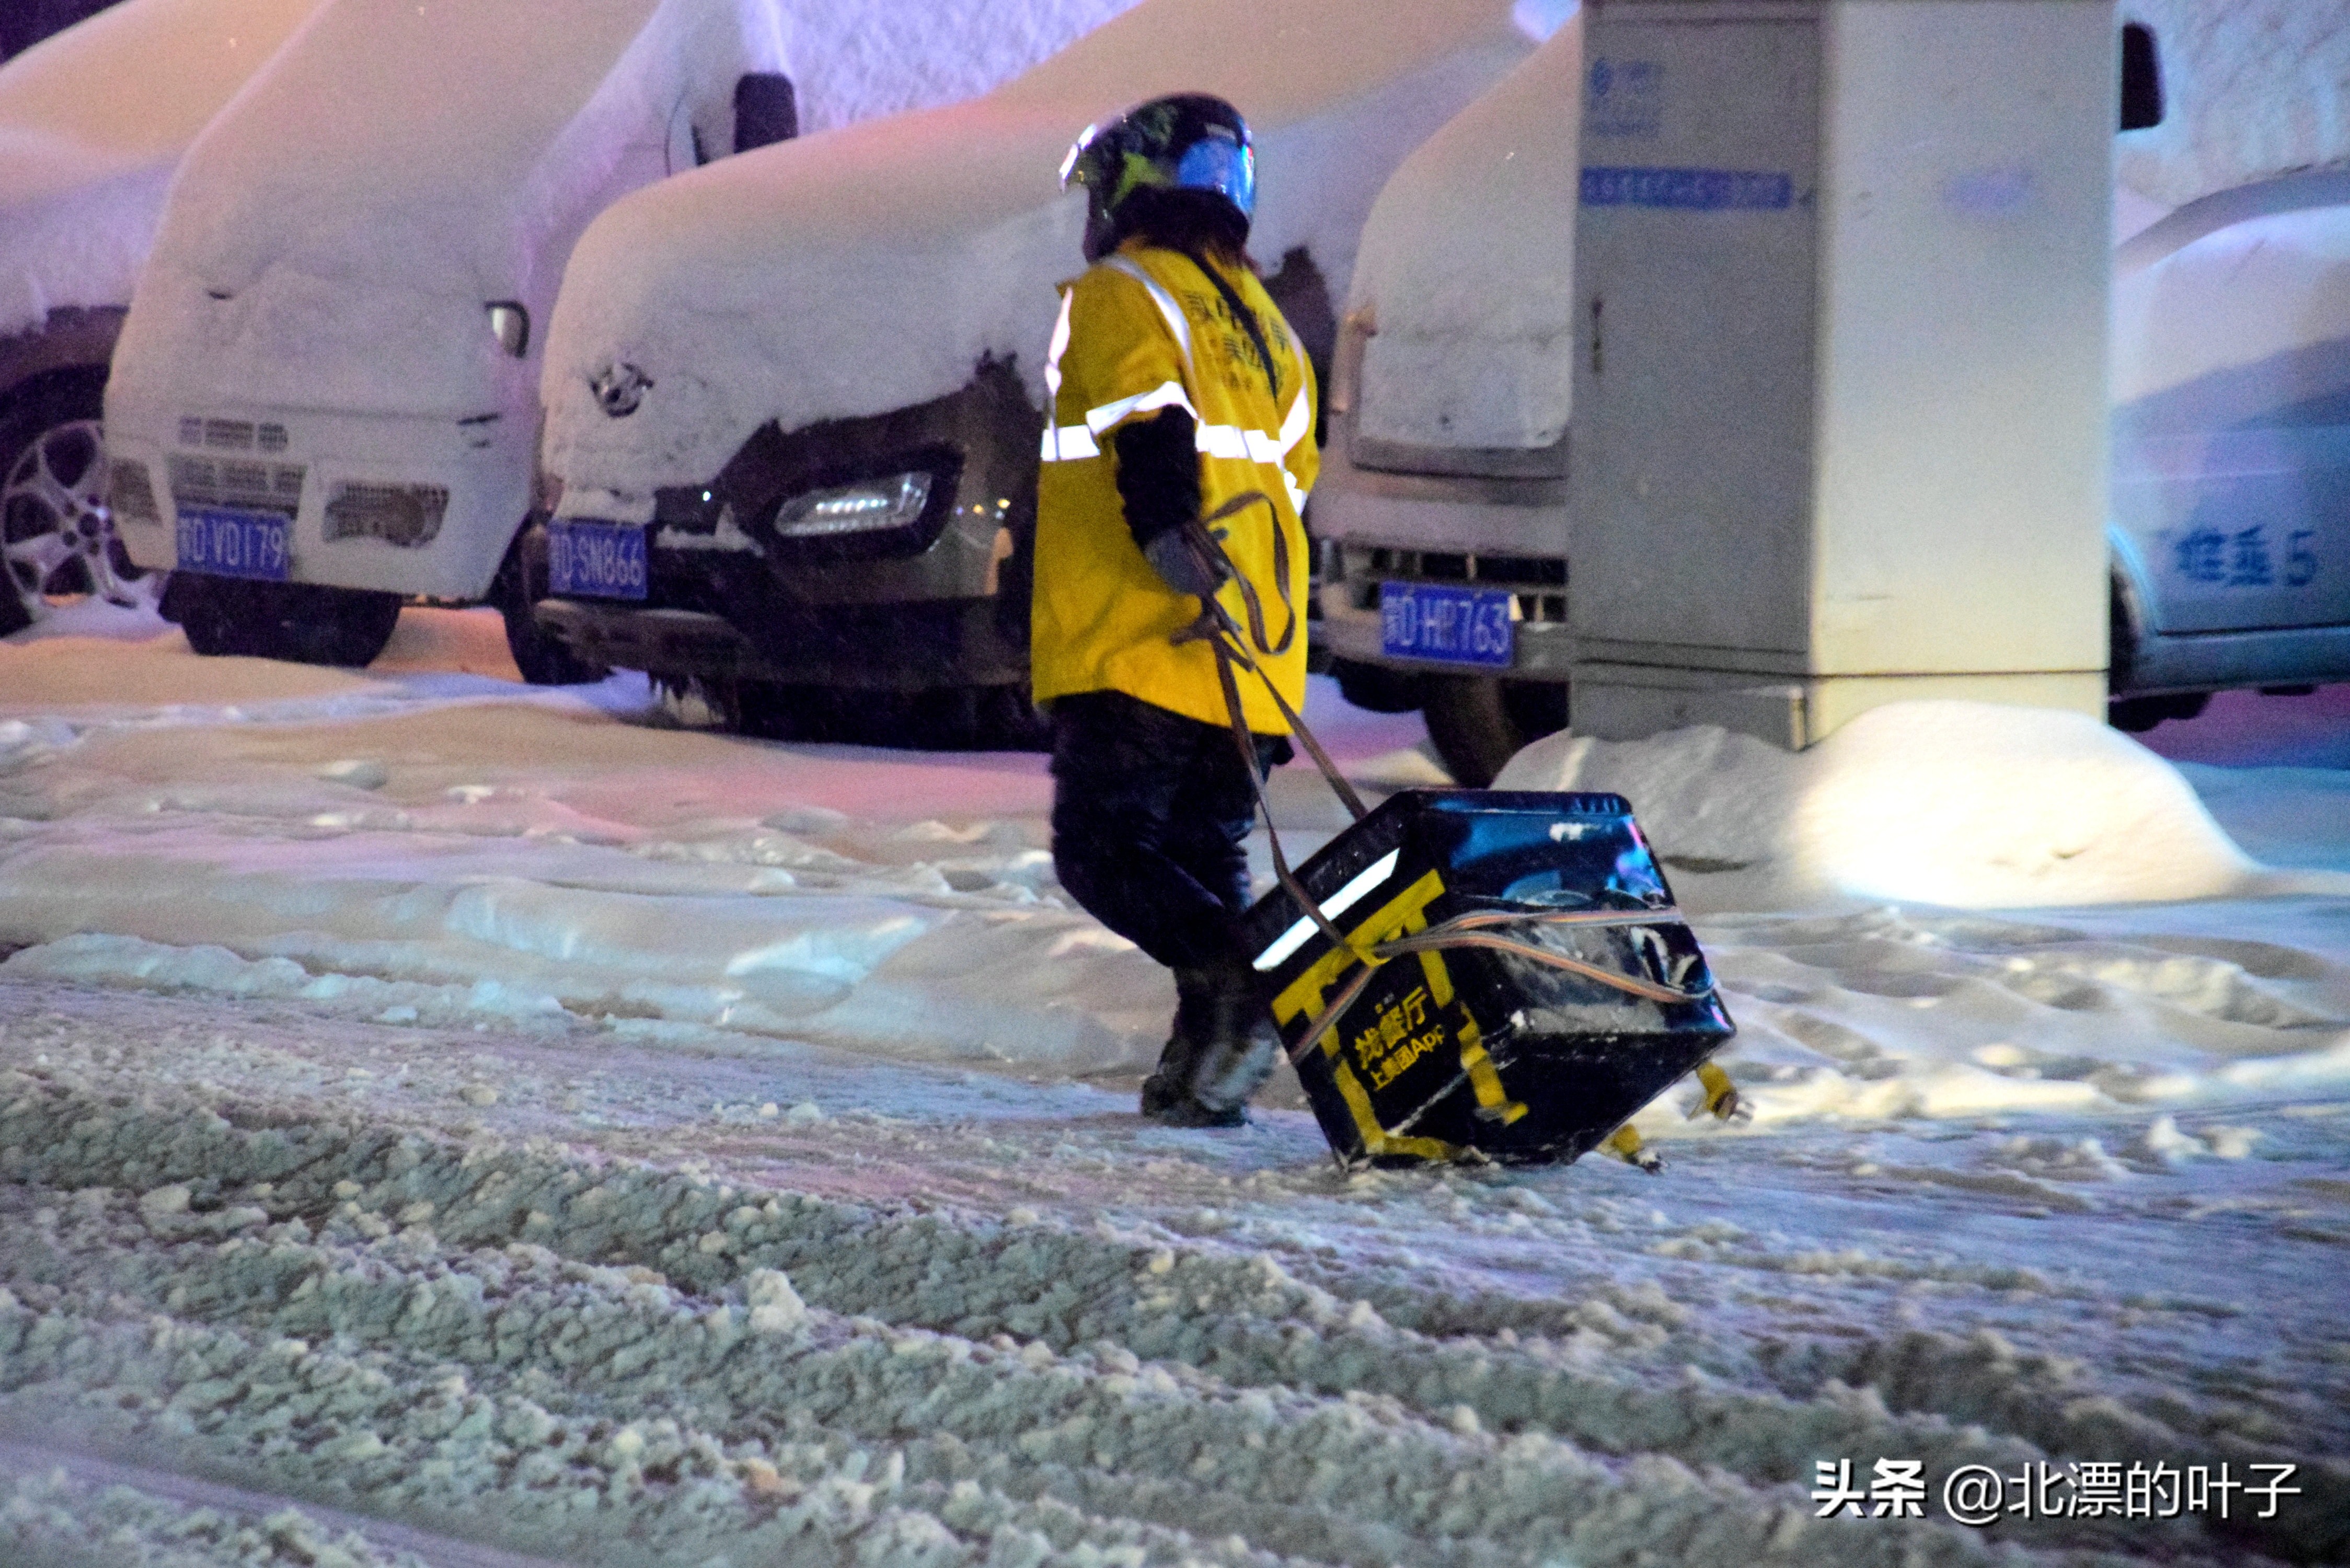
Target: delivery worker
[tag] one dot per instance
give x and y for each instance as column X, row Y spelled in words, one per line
column 1176, row 389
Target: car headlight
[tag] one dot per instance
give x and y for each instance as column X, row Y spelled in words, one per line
column 866, row 506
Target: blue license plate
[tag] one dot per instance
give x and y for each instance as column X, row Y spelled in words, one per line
column 1447, row 625
column 602, row 560
column 233, row 543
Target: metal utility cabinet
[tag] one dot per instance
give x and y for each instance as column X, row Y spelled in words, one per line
column 1841, row 270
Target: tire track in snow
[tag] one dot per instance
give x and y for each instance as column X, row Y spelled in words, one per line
column 67, row 1506
column 419, row 1421
column 1243, row 1322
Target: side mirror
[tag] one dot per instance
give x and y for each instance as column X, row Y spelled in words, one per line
column 767, row 109
column 2141, row 79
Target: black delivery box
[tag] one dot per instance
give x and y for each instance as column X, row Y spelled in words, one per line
column 1469, row 1051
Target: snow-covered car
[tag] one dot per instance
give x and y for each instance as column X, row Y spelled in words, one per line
column 2231, row 368
column 325, row 398
column 1449, row 402
column 93, row 120
column 796, row 461
column 2229, row 531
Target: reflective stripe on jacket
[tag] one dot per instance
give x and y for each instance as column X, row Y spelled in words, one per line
column 1143, row 331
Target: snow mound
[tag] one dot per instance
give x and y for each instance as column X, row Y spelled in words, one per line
column 1969, row 805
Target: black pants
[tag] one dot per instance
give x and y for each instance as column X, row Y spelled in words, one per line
column 1149, row 810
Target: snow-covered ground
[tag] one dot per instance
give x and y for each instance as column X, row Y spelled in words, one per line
column 447, row 1122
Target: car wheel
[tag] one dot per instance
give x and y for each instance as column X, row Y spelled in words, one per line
column 300, row 623
column 1376, row 689
column 967, row 719
column 57, row 536
column 1008, row 721
column 540, row 656
column 770, row 710
column 941, row 719
column 2136, row 715
column 1478, row 723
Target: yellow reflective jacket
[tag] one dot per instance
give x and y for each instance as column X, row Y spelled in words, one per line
column 1142, row 331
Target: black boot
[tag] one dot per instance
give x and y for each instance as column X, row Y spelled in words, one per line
column 1166, row 1086
column 1200, row 1007
column 1239, row 1048
column 1171, row 1083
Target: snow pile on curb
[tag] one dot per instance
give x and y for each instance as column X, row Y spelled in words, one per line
column 1964, row 804
column 333, row 858
column 437, row 849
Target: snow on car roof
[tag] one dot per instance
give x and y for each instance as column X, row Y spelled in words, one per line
column 330, row 238
column 1470, row 290
column 876, row 57
column 140, row 79
column 871, row 268
column 2252, row 89
column 92, row 121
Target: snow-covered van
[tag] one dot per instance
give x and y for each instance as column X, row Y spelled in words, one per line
column 2229, row 532
column 325, row 398
column 794, row 462
column 93, row 120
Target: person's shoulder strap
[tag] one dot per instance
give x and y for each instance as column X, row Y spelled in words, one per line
column 1247, row 319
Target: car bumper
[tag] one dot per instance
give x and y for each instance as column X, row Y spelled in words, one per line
column 896, row 647
column 1457, row 530
column 939, row 598
column 2222, row 661
column 399, row 503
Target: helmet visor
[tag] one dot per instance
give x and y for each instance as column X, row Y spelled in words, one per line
column 1227, row 167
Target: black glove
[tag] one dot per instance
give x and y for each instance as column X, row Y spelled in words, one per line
column 1186, row 565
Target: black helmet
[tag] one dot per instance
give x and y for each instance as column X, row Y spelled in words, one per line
column 1190, row 142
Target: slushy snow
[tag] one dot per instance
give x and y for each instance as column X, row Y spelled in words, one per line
column 446, row 1122
column 921, row 243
